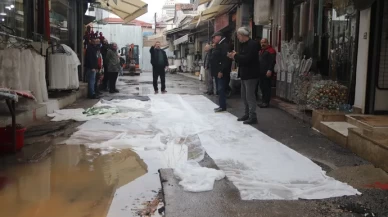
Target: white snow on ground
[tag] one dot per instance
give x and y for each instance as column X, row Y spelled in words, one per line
column 259, row 166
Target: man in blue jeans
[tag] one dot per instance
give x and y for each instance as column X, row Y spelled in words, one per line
column 91, row 65
column 220, row 67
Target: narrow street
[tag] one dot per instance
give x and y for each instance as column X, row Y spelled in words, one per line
column 117, row 162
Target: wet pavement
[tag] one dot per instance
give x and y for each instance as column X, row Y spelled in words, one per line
column 74, row 180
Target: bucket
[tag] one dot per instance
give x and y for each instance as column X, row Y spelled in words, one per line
column 6, row 139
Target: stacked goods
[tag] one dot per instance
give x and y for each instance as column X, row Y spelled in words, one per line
column 327, row 95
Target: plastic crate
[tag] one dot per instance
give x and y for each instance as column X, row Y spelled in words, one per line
column 6, row 139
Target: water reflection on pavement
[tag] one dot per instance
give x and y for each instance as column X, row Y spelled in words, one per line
column 78, row 182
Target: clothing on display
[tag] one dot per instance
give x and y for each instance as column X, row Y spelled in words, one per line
column 63, row 70
column 23, row 70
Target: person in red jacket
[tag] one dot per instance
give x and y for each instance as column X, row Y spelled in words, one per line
column 267, row 59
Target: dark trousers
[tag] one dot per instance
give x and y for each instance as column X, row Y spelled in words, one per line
column 221, row 88
column 112, row 80
column 265, row 86
column 227, row 82
column 105, row 79
column 98, row 76
column 156, row 72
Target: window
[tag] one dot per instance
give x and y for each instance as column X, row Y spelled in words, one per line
column 12, row 17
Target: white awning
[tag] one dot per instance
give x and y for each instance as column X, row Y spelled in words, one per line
column 181, row 40
column 214, row 11
column 127, row 10
column 203, row 1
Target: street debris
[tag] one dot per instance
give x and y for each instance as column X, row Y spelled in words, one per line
column 150, row 207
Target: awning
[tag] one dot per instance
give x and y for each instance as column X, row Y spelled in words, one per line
column 127, row 10
column 172, row 31
column 201, row 2
column 214, row 11
column 88, row 19
column 181, row 40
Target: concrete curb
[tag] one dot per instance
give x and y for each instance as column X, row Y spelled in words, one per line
column 291, row 109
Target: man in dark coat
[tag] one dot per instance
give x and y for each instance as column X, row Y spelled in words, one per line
column 104, row 51
column 267, row 59
column 91, row 65
column 248, row 70
column 220, row 66
column 159, row 64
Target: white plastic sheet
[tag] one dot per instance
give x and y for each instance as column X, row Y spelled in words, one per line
column 172, row 126
column 259, row 166
column 195, row 178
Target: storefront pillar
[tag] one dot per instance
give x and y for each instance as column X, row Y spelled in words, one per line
column 79, row 8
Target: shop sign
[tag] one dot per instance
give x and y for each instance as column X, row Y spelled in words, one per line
column 221, row 22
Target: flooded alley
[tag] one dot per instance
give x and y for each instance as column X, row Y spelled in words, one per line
column 77, row 181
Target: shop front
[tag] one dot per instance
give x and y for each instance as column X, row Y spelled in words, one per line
column 372, row 73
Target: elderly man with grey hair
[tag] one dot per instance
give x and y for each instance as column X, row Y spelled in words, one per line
column 248, row 70
column 113, row 66
column 208, row 74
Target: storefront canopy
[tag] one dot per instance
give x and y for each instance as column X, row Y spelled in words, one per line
column 201, row 2
column 127, row 10
column 214, row 11
column 181, row 40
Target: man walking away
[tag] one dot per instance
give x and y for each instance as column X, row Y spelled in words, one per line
column 91, row 65
column 159, row 64
column 267, row 59
column 220, row 67
column 206, row 65
column 247, row 60
column 113, row 63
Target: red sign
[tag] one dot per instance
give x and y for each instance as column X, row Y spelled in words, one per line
column 221, row 22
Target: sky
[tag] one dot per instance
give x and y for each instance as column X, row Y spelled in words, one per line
column 155, row 6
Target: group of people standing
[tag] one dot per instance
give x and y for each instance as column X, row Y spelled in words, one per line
column 102, row 56
column 255, row 69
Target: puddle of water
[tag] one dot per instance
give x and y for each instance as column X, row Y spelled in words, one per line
column 77, row 182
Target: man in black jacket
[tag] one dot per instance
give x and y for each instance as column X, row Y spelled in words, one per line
column 159, row 64
column 104, row 51
column 267, row 59
column 220, row 66
column 248, row 70
column 91, row 65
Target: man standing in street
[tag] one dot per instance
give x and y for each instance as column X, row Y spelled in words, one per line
column 113, row 65
column 159, row 64
column 267, row 59
column 220, row 67
column 248, row 70
column 91, row 65
column 104, row 51
column 206, row 65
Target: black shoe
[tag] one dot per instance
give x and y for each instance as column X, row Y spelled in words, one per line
column 94, row 97
column 219, row 110
column 251, row 121
column 243, row 118
column 156, row 91
column 209, row 93
column 264, row 105
column 113, row 91
column 164, row 91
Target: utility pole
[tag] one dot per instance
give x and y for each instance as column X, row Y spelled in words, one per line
column 155, row 23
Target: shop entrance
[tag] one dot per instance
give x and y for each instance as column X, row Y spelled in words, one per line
column 377, row 86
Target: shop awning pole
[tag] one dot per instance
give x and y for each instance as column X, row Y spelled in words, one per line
column 47, row 19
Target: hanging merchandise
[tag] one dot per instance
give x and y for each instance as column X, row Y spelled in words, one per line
column 327, row 95
column 63, row 68
column 22, row 68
